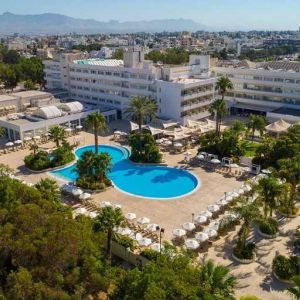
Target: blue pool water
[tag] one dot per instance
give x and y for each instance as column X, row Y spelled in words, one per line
column 140, row 180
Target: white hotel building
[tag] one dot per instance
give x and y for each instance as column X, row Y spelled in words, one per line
column 272, row 89
column 181, row 92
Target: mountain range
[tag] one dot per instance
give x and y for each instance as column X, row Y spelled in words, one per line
column 50, row 23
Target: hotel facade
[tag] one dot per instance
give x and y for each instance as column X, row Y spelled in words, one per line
column 181, row 92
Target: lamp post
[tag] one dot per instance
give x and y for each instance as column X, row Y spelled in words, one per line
column 161, row 231
column 193, row 216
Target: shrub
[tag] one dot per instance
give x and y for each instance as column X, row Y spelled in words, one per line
column 62, row 155
column 244, row 252
column 269, row 226
column 89, row 183
column 150, row 254
column 249, row 297
column 282, row 267
column 297, row 238
column 37, row 162
column 124, row 241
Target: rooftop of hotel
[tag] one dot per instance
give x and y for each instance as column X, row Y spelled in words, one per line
column 100, row 62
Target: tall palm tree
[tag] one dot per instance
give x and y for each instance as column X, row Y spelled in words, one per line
column 216, row 280
column 107, row 219
column 57, row 135
column 256, row 123
column 294, row 291
column 218, row 109
column 96, row 122
column 269, row 190
column 237, row 127
column 141, row 107
column 85, row 165
column 223, row 85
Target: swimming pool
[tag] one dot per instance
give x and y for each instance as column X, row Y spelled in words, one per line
column 157, row 182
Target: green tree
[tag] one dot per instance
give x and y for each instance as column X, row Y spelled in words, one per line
column 29, row 84
column 49, row 190
column 223, row 85
column 57, row 135
column 294, row 291
column 140, row 108
column 269, row 190
column 216, row 280
column 107, row 219
column 218, row 109
column 9, row 77
column 96, row 122
column 102, row 165
column 118, row 54
column 256, row 123
column 237, row 127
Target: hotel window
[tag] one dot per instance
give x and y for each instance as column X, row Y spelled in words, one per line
column 93, row 72
column 100, row 72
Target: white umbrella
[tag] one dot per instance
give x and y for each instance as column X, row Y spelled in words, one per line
column 92, row 214
column 124, row 231
column 188, row 226
column 105, row 204
column 215, row 161
column 77, row 191
column 266, row 171
column 206, row 213
column 79, row 127
column 179, row 232
column 178, row 145
column 233, row 194
column 247, row 169
column 145, row 242
column 240, row 191
column 200, row 219
column 138, row 236
column 118, row 206
column 203, row 153
column 214, row 225
column 130, row 216
column 143, row 220
column 201, row 237
column 85, row 196
column 210, row 232
column 9, row 144
column 80, row 211
column 152, row 227
column 18, row 142
column 191, row 244
column 168, row 143
column 68, row 129
column 159, row 141
column 213, row 208
column 200, row 157
column 157, row 247
column 247, row 188
column 36, row 137
column 27, row 138
column 222, row 202
column 233, row 165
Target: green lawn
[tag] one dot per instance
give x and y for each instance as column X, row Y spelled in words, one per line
column 250, row 148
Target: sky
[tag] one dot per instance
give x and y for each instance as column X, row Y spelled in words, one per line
column 235, row 14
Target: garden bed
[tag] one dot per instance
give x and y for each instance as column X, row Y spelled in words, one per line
column 244, row 261
column 282, row 280
column 267, row 236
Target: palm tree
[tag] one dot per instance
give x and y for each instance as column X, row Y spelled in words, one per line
column 102, row 164
column 256, row 123
column 237, row 127
column 34, row 148
column 57, row 135
column 290, row 170
column 223, row 85
column 49, row 190
column 218, row 109
column 141, row 107
column 294, row 291
column 269, row 190
column 96, row 122
column 85, row 165
column 216, row 280
column 107, row 219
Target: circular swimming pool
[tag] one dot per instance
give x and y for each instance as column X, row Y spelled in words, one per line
column 157, row 182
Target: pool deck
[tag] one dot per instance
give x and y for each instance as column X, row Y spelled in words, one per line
column 170, row 214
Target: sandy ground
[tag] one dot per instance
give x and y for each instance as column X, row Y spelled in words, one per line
column 170, row 214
